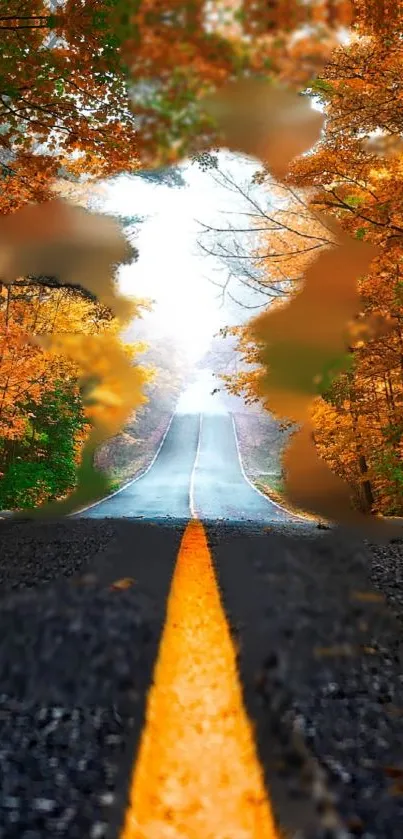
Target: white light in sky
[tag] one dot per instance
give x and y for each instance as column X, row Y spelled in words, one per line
column 199, row 396
column 170, row 270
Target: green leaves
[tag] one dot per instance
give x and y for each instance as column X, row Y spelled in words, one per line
column 344, row 363
column 398, row 292
column 320, row 86
column 353, row 200
column 43, row 467
column 52, row 21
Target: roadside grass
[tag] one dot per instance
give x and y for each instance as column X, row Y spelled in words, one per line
column 127, row 455
column 272, row 485
column 261, row 442
column 132, row 470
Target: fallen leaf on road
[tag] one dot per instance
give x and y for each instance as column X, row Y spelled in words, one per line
column 336, row 650
column 125, row 582
column 368, row 597
column 393, row 771
column 394, row 711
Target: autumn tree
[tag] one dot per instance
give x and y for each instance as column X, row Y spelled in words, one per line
column 177, row 53
column 43, row 423
column 264, row 252
column 64, row 103
column 355, row 174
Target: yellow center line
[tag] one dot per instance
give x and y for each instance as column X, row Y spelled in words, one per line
column 197, row 774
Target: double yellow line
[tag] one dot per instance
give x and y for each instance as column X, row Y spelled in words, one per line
column 197, row 774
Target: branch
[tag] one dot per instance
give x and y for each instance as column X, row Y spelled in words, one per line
column 52, row 283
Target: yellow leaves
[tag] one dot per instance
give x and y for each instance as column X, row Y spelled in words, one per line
column 77, row 247
column 295, row 341
column 114, row 385
column 291, row 349
column 373, row 325
column 380, row 173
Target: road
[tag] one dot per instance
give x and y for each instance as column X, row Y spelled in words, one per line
column 197, row 472
column 316, row 625
column 319, row 654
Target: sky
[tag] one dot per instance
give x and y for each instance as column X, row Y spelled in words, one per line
column 171, row 269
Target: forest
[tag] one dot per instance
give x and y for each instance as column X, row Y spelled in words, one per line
column 94, row 88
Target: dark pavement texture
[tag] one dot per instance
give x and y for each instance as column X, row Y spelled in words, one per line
column 320, row 662
column 76, row 662
column 319, row 650
column 320, row 656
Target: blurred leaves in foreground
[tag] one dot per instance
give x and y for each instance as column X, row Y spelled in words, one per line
column 199, row 75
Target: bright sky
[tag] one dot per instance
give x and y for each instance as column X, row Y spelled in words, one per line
column 170, row 269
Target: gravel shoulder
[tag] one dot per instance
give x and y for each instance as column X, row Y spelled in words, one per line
column 39, row 552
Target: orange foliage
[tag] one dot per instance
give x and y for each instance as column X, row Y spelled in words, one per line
column 27, row 371
column 357, row 178
column 63, row 100
column 65, row 104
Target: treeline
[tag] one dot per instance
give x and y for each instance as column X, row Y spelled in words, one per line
column 93, row 88
column 355, row 173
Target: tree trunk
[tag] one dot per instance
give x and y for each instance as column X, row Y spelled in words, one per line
column 366, row 491
column 366, row 485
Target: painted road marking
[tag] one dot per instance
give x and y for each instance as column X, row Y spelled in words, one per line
column 138, row 477
column 252, row 485
column 197, row 775
column 192, row 507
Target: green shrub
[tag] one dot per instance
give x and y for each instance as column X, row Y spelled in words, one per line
column 26, row 485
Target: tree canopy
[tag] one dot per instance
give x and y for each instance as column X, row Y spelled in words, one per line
column 92, row 88
column 354, row 174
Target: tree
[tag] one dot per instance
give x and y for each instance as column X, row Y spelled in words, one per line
column 43, row 421
column 267, row 251
column 356, row 175
column 30, row 309
column 179, row 53
column 357, row 178
column 41, row 465
column 64, row 103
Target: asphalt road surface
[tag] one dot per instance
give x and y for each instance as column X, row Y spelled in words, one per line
column 198, row 471
column 317, row 623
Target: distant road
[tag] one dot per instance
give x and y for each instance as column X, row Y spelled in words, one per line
column 197, row 472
